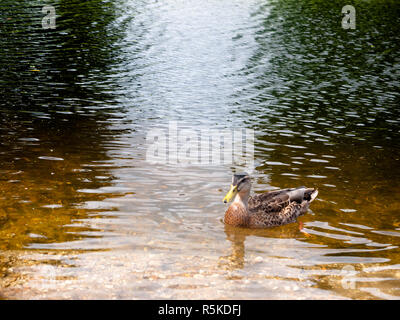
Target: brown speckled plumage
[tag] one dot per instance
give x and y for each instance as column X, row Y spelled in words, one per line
column 236, row 215
column 269, row 209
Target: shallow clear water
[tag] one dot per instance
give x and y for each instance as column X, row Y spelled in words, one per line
column 84, row 215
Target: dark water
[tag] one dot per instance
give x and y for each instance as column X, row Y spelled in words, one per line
column 84, row 215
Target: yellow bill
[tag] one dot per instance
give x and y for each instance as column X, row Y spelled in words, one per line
column 229, row 196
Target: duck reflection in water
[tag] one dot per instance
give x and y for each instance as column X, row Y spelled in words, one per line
column 237, row 237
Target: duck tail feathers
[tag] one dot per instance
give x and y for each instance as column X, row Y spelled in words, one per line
column 313, row 194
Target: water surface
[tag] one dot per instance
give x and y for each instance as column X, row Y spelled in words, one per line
column 84, row 215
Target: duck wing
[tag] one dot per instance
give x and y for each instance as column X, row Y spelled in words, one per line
column 295, row 194
column 260, row 218
column 279, row 207
column 270, row 204
column 267, row 197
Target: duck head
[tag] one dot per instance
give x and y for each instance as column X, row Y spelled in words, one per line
column 241, row 185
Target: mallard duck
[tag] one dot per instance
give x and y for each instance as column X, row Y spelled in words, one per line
column 267, row 209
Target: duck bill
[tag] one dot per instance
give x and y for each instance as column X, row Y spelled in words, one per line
column 229, row 196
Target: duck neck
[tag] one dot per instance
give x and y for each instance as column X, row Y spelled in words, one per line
column 242, row 199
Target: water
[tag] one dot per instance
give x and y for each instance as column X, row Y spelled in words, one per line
column 84, row 215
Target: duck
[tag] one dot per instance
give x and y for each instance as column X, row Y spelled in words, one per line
column 269, row 209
